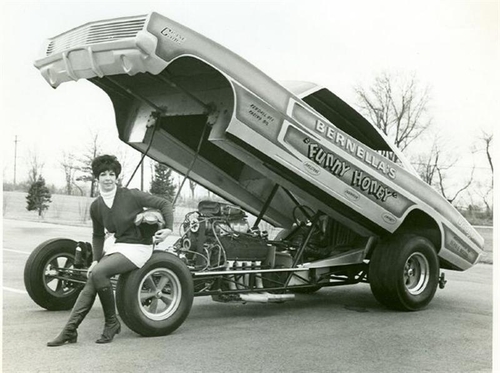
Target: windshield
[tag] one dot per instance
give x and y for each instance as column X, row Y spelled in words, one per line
column 351, row 122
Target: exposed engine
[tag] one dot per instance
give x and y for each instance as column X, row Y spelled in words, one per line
column 218, row 239
column 218, row 236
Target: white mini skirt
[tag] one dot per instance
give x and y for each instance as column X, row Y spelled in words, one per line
column 137, row 253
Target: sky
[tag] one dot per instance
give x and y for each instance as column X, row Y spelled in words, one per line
column 451, row 46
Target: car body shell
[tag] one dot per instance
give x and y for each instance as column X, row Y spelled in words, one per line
column 173, row 88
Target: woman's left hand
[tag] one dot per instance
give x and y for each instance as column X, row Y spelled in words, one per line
column 161, row 234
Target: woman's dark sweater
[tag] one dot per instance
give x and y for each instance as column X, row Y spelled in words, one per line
column 119, row 219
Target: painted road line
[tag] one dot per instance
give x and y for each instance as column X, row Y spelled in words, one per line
column 14, row 290
column 17, row 251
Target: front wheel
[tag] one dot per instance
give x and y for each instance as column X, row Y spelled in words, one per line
column 155, row 299
column 46, row 275
column 404, row 272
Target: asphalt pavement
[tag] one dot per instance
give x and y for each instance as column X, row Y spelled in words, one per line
column 340, row 329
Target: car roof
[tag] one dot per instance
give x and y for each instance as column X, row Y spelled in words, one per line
column 345, row 117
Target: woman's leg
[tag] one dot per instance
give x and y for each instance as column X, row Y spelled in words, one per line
column 81, row 308
column 107, row 267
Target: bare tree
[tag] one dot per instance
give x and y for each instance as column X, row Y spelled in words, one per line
column 397, row 105
column 435, row 168
column 68, row 164
column 35, row 166
column 93, row 149
column 451, row 196
column 485, row 192
column 485, row 189
column 427, row 164
column 82, row 193
column 129, row 159
column 488, row 139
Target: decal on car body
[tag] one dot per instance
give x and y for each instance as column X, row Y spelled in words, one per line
column 309, row 150
column 456, row 245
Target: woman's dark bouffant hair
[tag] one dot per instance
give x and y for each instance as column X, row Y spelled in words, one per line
column 106, row 163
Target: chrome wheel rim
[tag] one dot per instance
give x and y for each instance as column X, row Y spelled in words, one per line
column 416, row 273
column 159, row 294
column 56, row 286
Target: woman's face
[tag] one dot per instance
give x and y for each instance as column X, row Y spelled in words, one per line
column 107, row 180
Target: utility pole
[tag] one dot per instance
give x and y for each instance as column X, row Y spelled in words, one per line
column 15, row 158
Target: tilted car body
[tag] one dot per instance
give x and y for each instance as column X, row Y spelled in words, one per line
column 292, row 154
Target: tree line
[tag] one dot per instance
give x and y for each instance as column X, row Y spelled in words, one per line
column 79, row 179
column 399, row 106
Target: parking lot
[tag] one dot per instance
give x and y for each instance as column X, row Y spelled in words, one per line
column 337, row 329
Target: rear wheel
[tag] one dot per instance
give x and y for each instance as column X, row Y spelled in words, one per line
column 404, row 272
column 45, row 278
column 155, row 299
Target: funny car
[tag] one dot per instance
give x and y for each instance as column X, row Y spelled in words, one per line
column 349, row 207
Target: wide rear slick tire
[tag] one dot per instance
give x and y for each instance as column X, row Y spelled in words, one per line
column 40, row 273
column 404, row 272
column 156, row 299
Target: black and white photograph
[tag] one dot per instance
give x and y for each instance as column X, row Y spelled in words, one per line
column 249, row 186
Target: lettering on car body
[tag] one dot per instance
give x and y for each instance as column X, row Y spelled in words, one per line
column 351, row 194
column 368, row 156
column 389, row 218
column 260, row 115
column 311, row 168
column 456, row 245
column 173, row 35
column 371, row 186
column 330, row 162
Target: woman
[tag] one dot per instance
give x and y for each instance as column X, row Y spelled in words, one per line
column 115, row 210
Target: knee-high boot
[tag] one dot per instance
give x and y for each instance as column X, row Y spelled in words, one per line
column 81, row 308
column 111, row 323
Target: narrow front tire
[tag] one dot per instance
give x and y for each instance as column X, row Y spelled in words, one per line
column 45, row 275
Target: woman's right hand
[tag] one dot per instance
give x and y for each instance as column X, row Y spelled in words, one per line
column 91, row 268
